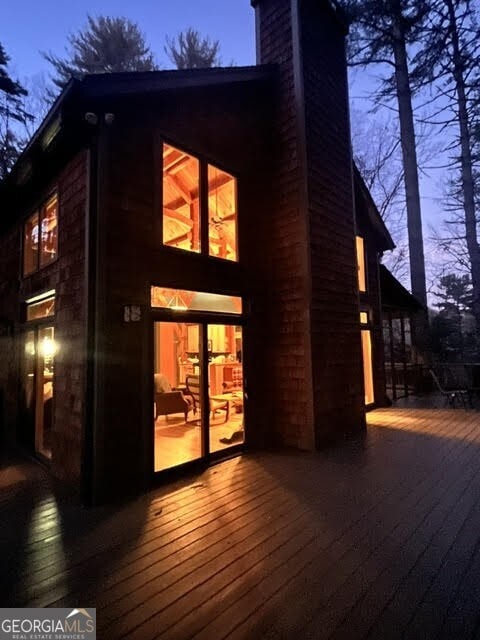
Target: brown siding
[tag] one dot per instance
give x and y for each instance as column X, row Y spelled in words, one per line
column 314, row 291
column 70, row 324
column 338, row 382
column 10, row 243
column 67, row 276
column 285, row 262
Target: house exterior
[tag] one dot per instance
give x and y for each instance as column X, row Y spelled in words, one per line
column 178, row 259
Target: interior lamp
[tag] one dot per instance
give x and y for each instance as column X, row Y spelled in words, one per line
column 48, row 347
column 177, row 303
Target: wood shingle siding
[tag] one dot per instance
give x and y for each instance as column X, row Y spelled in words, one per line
column 319, row 394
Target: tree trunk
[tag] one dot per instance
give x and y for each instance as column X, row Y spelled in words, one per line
column 409, row 154
column 420, row 329
column 466, row 167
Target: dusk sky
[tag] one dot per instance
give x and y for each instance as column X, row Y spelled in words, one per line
column 28, row 26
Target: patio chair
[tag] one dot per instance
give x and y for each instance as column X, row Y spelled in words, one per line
column 193, row 389
column 452, row 395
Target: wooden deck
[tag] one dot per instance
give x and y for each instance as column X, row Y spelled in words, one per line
column 378, row 538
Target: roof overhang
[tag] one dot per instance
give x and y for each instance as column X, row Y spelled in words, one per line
column 384, row 239
column 394, row 295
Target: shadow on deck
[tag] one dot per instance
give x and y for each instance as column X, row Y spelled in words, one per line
column 377, row 538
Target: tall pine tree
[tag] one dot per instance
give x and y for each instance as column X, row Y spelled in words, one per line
column 449, row 60
column 12, row 114
column 381, row 32
column 190, row 50
column 105, row 45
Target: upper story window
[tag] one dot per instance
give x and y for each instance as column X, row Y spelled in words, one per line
column 222, row 214
column 188, row 217
column 181, row 199
column 362, row 273
column 40, row 237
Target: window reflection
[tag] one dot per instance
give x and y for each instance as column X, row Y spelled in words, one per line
column 40, row 241
column 30, row 245
column 48, row 244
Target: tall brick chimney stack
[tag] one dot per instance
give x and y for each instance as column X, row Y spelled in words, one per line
column 316, row 358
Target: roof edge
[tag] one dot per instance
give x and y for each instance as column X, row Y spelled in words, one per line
column 373, row 212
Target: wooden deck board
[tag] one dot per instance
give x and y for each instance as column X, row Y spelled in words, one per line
column 375, row 538
column 337, row 567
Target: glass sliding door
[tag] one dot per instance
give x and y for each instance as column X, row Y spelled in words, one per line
column 177, row 394
column 192, row 419
column 198, row 373
column 39, row 361
column 44, row 415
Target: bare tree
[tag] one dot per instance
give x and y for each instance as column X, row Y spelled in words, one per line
column 377, row 154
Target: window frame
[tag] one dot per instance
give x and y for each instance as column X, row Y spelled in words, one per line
column 39, row 298
column 204, row 163
column 39, row 211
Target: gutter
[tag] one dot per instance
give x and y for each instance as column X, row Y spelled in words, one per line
column 87, row 457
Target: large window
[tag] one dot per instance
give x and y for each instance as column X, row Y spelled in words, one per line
column 366, row 336
column 362, row 273
column 40, row 237
column 181, row 199
column 187, row 213
column 222, row 214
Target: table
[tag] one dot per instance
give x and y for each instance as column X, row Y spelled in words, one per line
column 236, row 398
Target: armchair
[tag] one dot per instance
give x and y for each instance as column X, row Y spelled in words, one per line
column 167, row 402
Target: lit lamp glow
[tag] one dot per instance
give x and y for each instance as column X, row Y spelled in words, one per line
column 48, row 348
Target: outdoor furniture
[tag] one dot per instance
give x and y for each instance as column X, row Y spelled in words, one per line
column 193, row 388
column 452, row 395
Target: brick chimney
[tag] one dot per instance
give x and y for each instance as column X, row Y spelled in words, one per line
column 316, row 360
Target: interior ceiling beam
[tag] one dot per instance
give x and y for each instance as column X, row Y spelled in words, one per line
column 176, row 184
column 172, row 213
column 220, row 181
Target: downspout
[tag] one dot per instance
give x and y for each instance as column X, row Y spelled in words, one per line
column 308, row 441
column 90, row 281
column 91, row 456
